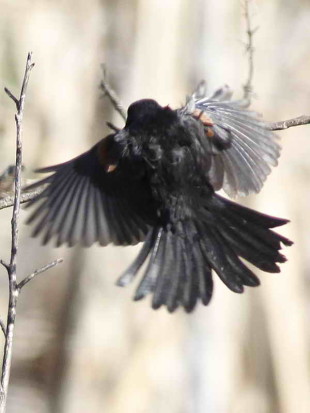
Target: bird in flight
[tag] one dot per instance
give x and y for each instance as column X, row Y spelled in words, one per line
column 155, row 181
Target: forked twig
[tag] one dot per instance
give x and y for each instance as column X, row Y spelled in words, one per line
column 14, row 287
column 248, row 87
column 111, row 94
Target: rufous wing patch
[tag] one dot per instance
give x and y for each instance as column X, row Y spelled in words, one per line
column 104, row 155
column 209, row 132
column 111, row 168
column 206, row 121
column 203, row 117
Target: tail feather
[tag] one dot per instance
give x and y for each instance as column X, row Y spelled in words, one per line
column 216, row 256
column 164, row 269
column 249, row 237
column 205, row 281
column 245, row 276
column 133, row 269
column 256, row 238
column 155, row 269
column 253, row 233
column 178, row 276
column 253, row 254
column 234, row 209
column 191, row 290
column 180, row 259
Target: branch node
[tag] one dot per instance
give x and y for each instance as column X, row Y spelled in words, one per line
column 11, row 268
column 30, row 277
column 6, row 266
column 11, row 96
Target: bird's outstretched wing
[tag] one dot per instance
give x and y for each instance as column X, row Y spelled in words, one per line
column 92, row 198
column 242, row 148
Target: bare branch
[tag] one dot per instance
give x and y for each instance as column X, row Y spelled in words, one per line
column 30, row 277
column 2, row 325
column 8, row 201
column 285, row 124
column 248, row 87
column 14, row 287
column 11, row 268
column 6, row 266
column 110, row 93
column 10, row 94
column 113, row 127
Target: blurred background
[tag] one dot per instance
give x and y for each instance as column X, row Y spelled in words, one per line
column 81, row 344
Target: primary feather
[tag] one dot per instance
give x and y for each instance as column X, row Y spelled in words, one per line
column 155, row 181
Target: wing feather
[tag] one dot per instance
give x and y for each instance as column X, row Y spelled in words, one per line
column 241, row 147
column 95, row 197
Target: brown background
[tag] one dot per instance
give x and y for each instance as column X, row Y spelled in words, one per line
column 81, row 344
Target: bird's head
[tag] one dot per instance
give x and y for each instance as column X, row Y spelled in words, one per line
column 147, row 113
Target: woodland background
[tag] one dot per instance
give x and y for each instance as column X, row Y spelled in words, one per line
column 81, row 344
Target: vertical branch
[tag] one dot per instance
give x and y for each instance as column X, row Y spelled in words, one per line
column 14, row 287
column 11, row 268
column 250, row 31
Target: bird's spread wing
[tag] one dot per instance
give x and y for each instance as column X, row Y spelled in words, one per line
column 242, row 148
column 92, row 198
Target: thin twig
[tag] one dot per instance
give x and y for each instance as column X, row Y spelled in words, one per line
column 10, row 94
column 11, row 268
column 14, row 287
column 248, row 87
column 110, row 93
column 2, row 325
column 37, row 272
column 285, row 124
column 250, row 31
column 6, row 266
column 8, row 201
column 113, row 127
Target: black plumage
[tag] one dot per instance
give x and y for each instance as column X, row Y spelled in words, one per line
column 155, row 181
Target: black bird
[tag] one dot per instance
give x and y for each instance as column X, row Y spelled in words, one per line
column 155, row 181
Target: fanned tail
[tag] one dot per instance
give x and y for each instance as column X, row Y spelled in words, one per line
column 180, row 260
column 177, row 273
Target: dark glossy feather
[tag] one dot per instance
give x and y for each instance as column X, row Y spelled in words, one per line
column 85, row 204
column 155, row 181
